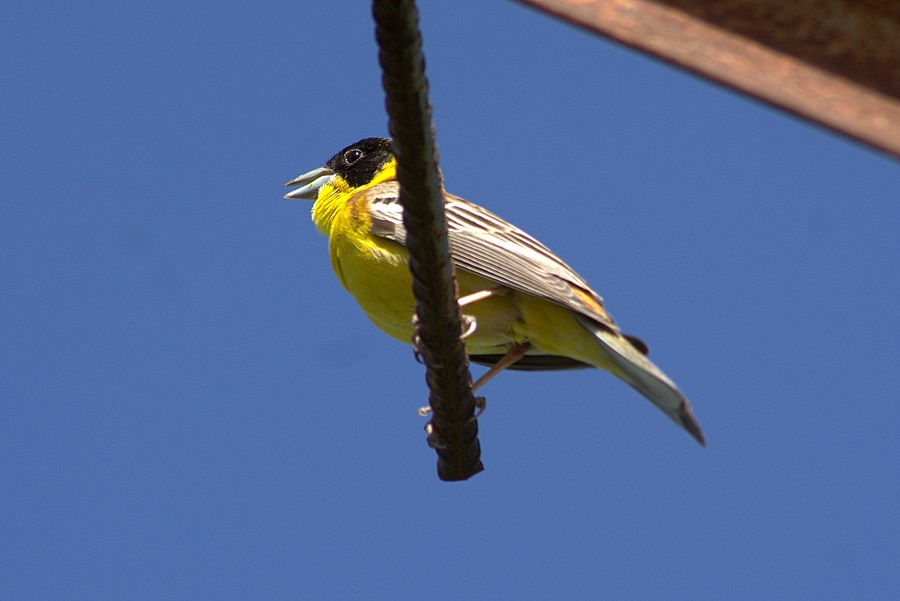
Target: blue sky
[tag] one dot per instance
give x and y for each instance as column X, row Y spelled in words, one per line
column 191, row 407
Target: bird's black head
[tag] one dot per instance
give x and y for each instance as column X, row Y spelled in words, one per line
column 358, row 163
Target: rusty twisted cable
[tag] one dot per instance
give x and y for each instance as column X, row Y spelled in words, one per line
column 453, row 431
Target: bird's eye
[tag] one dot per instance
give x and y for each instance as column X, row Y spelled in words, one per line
column 351, row 156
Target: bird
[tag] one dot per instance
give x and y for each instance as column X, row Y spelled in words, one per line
column 524, row 308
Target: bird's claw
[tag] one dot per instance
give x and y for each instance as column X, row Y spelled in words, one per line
column 416, row 340
column 480, row 406
column 434, row 441
column 469, row 324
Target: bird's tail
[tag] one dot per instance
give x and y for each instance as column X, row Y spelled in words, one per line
column 638, row 372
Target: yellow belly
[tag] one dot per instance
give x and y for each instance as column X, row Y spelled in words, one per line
column 375, row 272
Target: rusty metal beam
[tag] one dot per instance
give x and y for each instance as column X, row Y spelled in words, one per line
column 834, row 62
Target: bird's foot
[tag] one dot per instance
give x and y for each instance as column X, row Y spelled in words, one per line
column 480, row 405
column 469, row 324
column 416, row 340
column 432, row 438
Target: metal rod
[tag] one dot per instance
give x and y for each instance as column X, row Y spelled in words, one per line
column 452, row 431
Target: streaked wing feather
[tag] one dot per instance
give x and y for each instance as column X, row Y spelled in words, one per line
column 488, row 246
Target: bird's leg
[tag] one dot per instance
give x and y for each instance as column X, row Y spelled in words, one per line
column 515, row 352
column 469, row 322
column 481, row 295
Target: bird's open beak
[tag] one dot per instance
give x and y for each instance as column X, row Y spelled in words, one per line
column 309, row 183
